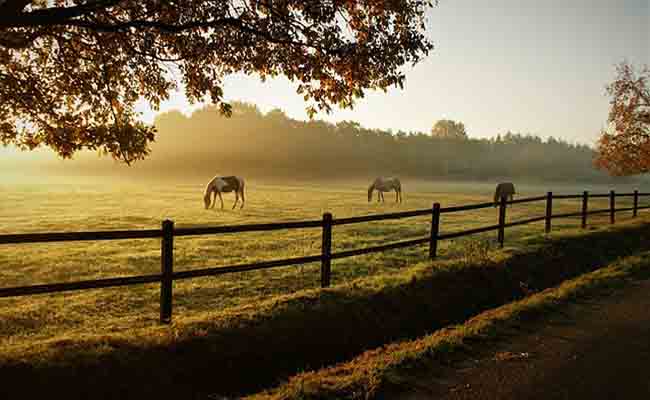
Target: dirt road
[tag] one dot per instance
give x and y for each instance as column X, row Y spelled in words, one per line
column 599, row 349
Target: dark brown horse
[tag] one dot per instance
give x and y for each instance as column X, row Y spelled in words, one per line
column 504, row 189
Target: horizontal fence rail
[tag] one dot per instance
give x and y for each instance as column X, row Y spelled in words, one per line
column 383, row 247
column 468, row 232
column 167, row 233
column 568, row 196
column 79, row 285
column 526, row 200
column 196, row 273
column 525, row 221
column 466, row 208
column 380, row 217
column 78, row 236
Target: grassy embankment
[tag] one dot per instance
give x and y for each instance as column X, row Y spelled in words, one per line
column 379, row 372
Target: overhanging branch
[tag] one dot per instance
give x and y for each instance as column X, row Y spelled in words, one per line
column 13, row 6
column 13, row 17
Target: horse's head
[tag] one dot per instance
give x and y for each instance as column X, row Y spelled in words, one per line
column 206, row 200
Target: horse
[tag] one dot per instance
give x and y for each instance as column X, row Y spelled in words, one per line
column 504, row 189
column 382, row 185
column 224, row 184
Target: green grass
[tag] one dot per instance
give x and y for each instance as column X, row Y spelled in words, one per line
column 46, row 208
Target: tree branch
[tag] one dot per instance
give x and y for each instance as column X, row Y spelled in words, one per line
column 13, row 6
column 12, row 18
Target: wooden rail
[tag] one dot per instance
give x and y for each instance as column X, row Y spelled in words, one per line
column 167, row 233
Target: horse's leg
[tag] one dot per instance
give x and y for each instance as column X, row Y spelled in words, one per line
column 214, row 199
column 220, row 199
column 236, row 199
column 396, row 196
column 242, row 198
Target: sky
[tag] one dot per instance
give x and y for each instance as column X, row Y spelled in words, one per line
column 537, row 67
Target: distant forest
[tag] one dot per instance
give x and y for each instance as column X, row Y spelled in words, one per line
column 273, row 145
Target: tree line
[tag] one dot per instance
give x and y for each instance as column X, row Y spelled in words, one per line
column 273, row 145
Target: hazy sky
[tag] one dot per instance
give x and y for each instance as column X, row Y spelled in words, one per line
column 530, row 66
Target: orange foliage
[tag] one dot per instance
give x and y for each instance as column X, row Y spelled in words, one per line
column 624, row 149
column 71, row 71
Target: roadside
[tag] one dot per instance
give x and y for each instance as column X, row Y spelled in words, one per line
column 598, row 349
column 441, row 364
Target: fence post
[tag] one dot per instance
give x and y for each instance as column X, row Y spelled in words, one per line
column 326, row 251
column 435, row 229
column 549, row 211
column 636, row 203
column 612, row 209
column 167, row 269
column 585, row 199
column 502, row 220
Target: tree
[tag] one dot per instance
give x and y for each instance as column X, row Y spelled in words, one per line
column 446, row 128
column 71, row 71
column 624, row 148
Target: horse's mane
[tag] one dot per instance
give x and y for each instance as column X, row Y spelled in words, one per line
column 209, row 186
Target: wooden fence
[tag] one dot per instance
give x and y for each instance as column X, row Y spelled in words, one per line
column 167, row 233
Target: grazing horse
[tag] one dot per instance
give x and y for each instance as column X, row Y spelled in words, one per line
column 382, row 185
column 505, row 189
column 224, row 184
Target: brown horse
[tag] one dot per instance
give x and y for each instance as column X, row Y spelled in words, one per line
column 224, row 184
column 504, row 189
column 382, row 185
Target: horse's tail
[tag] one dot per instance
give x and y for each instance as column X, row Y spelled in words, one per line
column 241, row 189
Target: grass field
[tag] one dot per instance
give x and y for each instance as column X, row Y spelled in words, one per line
column 50, row 208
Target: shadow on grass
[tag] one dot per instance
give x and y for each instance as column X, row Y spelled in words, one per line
column 230, row 354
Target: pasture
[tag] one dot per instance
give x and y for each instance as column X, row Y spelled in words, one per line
column 56, row 208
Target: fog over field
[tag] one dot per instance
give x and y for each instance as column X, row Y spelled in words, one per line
column 271, row 147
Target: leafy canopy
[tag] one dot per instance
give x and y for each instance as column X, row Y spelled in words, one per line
column 71, row 71
column 624, row 149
